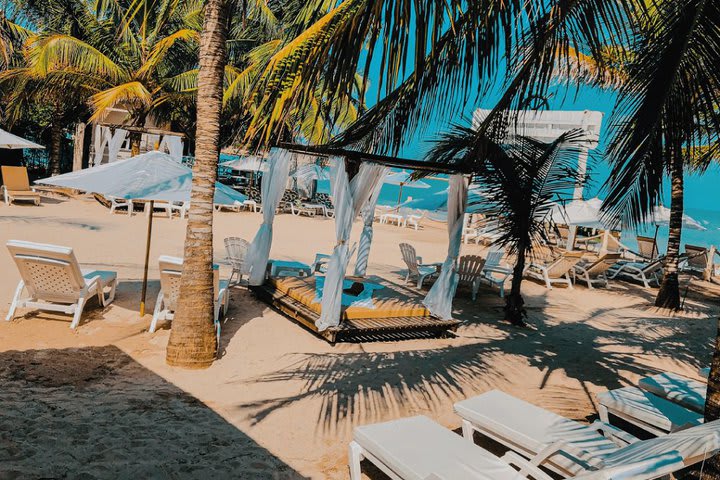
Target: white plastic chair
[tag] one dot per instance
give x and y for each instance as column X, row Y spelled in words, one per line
column 413, row 220
column 415, row 266
column 53, row 280
column 645, row 273
column 236, row 249
column 170, row 272
column 596, row 271
column 494, row 272
column 116, row 203
column 558, row 271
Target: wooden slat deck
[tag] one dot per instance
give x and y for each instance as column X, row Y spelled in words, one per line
column 358, row 329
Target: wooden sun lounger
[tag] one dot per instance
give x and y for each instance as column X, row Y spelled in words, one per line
column 16, row 185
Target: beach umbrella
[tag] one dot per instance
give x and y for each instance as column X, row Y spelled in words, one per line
column 8, row 140
column 152, row 176
column 438, row 202
column 585, row 213
column 660, row 217
column 250, row 163
column 402, row 179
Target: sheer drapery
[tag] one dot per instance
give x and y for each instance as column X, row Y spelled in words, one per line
column 273, row 186
column 115, row 144
column 439, row 298
column 101, row 137
column 368, row 215
column 173, row 145
column 348, row 198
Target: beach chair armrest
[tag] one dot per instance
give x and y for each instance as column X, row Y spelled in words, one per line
column 620, row 437
column 570, row 451
column 526, row 468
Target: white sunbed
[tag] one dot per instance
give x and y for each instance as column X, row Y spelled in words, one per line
column 568, row 447
column 417, row 448
column 678, row 389
column 53, row 280
column 645, row 273
column 647, row 411
column 166, row 303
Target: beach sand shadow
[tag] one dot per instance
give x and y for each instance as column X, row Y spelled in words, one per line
column 96, row 413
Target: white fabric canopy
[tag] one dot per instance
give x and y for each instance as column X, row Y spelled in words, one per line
column 368, row 215
column 403, row 179
column 251, row 163
column 273, row 187
column 438, row 202
column 439, row 298
column 150, row 176
column 348, row 198
column 8, row 140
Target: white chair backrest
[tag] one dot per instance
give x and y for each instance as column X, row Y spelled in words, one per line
column 697, row 256
column 410, row 257
column 494, row 257
column 50, row 272
column 236, row 252
column 602, row 264
column 470, row 268
column 647, row 247
column 563, row 264
column 170, row 272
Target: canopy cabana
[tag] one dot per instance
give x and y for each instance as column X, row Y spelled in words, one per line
column 356, row 179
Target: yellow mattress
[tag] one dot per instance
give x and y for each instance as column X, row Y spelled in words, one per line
column 387, row 300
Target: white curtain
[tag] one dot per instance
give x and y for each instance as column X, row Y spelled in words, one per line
column 115, row 144
column 439, row 298
column 273, row 186
column 348, row 198
column 368, row 215
column 173, row 145
column 101, row 137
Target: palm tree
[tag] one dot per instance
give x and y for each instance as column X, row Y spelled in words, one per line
column 130, row 55
column 192, row 341
column 521, row 179
column 666, row 118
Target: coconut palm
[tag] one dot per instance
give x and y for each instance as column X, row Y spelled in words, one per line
column 666, row 118
column 521, row 179
column 192, row 341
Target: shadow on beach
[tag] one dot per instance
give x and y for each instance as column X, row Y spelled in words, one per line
column 96, row 413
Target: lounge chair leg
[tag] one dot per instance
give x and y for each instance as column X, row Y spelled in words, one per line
column 603, row 413
column 15, row 301
column 569, row 282
column 356, row 456
column 468, row 431
column 156, row 314
column 78, row 313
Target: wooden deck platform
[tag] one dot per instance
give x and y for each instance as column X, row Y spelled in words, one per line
column 393, row 327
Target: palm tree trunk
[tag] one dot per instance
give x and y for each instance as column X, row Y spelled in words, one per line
column 514, row 303
column 712, row 406
column 56, row 134
column 669, row 294
column 192, row 339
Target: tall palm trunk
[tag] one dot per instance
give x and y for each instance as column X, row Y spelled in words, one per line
column 669, row 294
column 514, row 303
column 712, row 406
column 56, row 134
column 192, row 339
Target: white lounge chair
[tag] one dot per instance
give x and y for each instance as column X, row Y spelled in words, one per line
column 413, row 220
column 494, row 272
column 645, row 410
column 696, row 259
column 170, row 271
column 570, row 448
column 557, row 271
column 595, row 271
column 53, row 280
column 415, row 266
column 416, row 448
column 647, row 248
column 116, row 203
column 645, row 273
column 678, row 389
column 236, row 249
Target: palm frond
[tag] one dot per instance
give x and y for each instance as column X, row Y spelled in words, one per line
column 131, row 96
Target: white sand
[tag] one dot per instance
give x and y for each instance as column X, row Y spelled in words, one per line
column 281, row 403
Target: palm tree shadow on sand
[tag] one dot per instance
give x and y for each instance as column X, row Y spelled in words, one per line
column 366, row 387
column 96, row 413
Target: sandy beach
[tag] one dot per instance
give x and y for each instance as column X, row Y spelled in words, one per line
column 281, row 403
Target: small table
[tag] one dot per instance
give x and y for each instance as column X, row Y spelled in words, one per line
column 250, row 205
column 288, row 268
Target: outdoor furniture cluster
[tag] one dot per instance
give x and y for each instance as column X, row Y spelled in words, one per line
column 540, row 441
